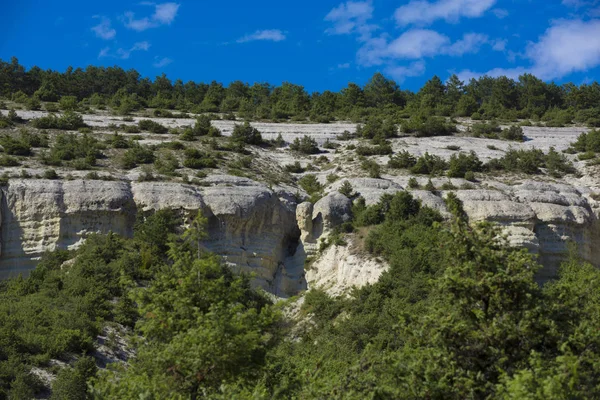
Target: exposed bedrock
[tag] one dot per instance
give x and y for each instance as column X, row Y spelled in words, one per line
column 263, row 231
column 251, row 226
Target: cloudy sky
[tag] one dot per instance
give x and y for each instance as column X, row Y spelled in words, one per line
column 316, row 43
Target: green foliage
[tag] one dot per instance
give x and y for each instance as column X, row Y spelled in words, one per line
column 71, row 383
column 530, row 162
column 587, row 142
column 372, row 168
column 376, row 127
column 70, row 121
column 17, row 147
column 429, row 164
column 305, row 145
column 68, row 103
column 311, row 185
column 346, row 189
column 402, row 159
column 137, row 154
column 462, row 163
column 246, row 133
column 489, row 129
column 424, row 126
column 197, row 159
column 514, row 133
column 152, row 126
column 382, row 149
column 295, row 168
column 80, row 150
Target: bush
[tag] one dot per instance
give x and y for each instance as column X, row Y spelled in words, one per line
column 196, row 159
column 50, row 174
column 372, row 168
column 295, row 168
column 305, row 145
column 402, row 160
column 513, row 133
column 15, row 147
column 70, row 120
column 68, row 103
column 247, row 134
column 587, row 142
column 376, row 127
column 311, row 185
column 130, row 128
column 70, row 147
column 429, row 164
column 380, row 149
column 487, row 129
column 462, row 163
column 136, row 155
column 422, row 126
column 8, row 161
column 413, row 183
column 152, row 126
column 347, row 190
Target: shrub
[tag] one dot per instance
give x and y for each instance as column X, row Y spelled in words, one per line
column 295, row 168
column 587, row 142
column 376, row 127
column 196, row 159
column 487, row 129
column 305, row 145
column 68, row 103
column 422, row 126
column 413, row 183
column 513, row 133
column 69, row 147
column 15, row 147
column 462, row 163
column 152, row 126
column 401, row 160
column 50, row 174
column 346, row 189
column 470, row 176
column 166, row 163
column 136, row 155
column 380, row 149
column 311, row 185
column 372, row 168
column 8, row 161
column 70, row 120
column 429, row 164
column 130, row 128
column 246, row 133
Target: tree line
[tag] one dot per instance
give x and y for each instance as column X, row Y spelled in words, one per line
column 527, row 97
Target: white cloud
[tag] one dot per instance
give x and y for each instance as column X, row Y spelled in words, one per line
column 103, row 52
column 343, row 66
column 500, row 13
column 124, row 54
column 273, row 35
column 417, row 44
column 164, row 14
column 103, row 30
column 499, row 45
column 162, row 62
column 470, row 43
column 400, row 73
column 422, row 12
column 351, row 17
column 567, row 46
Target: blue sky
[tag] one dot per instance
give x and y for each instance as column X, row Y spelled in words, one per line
column 319, row 44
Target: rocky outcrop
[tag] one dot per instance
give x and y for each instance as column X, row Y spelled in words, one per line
column 264, row 231
column 249, row 224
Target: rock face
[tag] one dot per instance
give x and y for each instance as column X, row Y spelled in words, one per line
column 264, row 231
column 249, row 225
